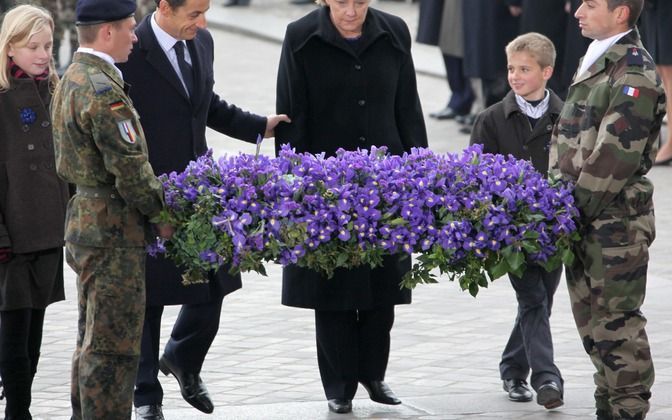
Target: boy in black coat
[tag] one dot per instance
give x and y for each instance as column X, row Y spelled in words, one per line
column 521, row 125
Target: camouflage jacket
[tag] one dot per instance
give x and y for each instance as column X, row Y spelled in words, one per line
column 99, row 144
column 606, row 138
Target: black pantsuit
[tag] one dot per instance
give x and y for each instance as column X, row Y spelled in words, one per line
column 352, row 346
column 530, row 346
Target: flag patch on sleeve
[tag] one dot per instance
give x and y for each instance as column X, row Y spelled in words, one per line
column 115, row 106
column 631, row 91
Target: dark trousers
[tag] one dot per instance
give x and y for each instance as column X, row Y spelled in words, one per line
column 20, row 341
column 530, row 345
column 461, row 96
column 189, row 342
column 352, row 346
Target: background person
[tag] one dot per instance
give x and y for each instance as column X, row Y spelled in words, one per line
column 32, row 200
column 365, row 95
column 101, row 149
column 604, row 143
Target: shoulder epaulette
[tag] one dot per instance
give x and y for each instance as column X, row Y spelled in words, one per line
column 635, row 57
column 100, row 82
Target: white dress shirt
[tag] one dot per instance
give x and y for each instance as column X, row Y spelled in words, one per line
column 596, row 49
column 167, row 42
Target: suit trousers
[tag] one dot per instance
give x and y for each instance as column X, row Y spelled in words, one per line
column 530, row 346
column 461, row 94
column 193, row 333
column 352, row 346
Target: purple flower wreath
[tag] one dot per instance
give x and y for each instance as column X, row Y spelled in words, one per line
column 473, row 216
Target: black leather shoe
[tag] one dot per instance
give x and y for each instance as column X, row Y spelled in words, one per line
column 446, row 113
column 340, row 406
column 192, row 388
column 380, row 392
column 549, row 395
column 518, row 390
column 149, row 412
column 300, row 2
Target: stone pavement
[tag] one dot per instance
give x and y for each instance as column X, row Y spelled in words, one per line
column 445, row 346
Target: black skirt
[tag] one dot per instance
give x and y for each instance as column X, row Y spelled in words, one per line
column 32, row 280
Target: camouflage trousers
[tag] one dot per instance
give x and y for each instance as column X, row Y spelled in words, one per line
column 111, row 304
column 607, row 285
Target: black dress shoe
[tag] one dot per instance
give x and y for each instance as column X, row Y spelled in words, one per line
column 149, row 412
column 518, row 390
column 549, row 395
column 340, row 406
column 380, row 392
column 192, row 388
column 300, row 2
column 446, row 113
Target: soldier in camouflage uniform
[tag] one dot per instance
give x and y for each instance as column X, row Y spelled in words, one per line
column 101, row 149
column 605, row 142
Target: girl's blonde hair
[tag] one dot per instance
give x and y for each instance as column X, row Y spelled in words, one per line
column 18, row 25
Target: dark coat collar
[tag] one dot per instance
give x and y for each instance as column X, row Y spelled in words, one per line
column 376, row 25
column 511, row 106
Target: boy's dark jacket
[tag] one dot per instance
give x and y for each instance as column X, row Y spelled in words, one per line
column 504, row 129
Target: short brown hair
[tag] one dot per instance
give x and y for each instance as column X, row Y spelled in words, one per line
column 635, row 7
column 535, row 44
column 86, row 34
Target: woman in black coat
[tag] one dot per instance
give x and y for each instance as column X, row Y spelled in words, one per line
column 32, row 201
column 346, row 79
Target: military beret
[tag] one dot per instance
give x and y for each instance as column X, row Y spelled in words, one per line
column 93, row 12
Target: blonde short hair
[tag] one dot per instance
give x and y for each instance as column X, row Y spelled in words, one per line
column 535, row 44
column 18, row 25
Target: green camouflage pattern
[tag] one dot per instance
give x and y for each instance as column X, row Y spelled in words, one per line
column 91, row 115
column 99, row 146
column 111, row 304
column 605, row 142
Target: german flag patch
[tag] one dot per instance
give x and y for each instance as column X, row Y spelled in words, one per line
column 116, row 106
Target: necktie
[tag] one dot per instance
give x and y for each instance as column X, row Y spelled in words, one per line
column 185, row 68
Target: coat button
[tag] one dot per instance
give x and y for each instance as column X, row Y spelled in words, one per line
column 362, row 139
column 549, row 127
column 358, row 66
column 361, row 102
column 31, row 147
column 33, row 167
column 524, row 147
column 45, row 124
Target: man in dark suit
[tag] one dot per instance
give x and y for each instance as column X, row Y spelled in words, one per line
column 172, row 82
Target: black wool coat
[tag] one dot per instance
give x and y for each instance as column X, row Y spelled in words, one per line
column 341, row 97
column 488, row 27
column 429, row 21
column 174, row 127
column 504, row 129
column 32, row 196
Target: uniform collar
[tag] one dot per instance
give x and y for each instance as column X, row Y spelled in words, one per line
column 104, row 56
column 615, row 52
column 104, row 65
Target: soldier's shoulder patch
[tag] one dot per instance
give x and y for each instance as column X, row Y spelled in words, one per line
column 127, row 131
column 100, row 82
column 635, row 57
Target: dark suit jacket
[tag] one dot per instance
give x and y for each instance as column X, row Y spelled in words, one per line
column 341, row 98
column 174, row 127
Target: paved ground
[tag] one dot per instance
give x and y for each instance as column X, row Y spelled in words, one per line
column 445, row 346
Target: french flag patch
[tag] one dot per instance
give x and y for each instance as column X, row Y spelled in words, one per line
column 631, row 91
